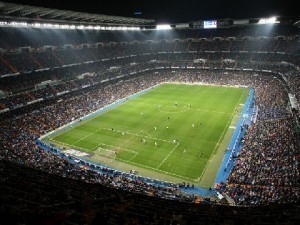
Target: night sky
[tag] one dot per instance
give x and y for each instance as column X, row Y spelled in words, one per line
column 175, row 11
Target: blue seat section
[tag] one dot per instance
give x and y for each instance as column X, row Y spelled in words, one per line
column 236, row 140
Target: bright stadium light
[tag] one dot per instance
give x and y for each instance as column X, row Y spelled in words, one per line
column 37, row 25
column 89, row 27
column 80, row 27
column 163, row 27
column 47, row 25
column 270, row 20
column 18, row 23
column 65, row 26
column 134, row 28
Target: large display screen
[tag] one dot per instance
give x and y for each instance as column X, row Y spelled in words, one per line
column 210, row 24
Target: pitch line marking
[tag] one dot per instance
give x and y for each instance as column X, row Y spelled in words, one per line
column 146, row 133
column 108, row 150
column 61, row 130
column 205, row 110
column 107, row 156
column 168, row 155
column 138, row 135
column 86, row 136
column 72, row 146
column 134, row 163
column 116, row 147
column 97, row 147
column 133, row 157
column 188, row 108
column 218, row 143
column 155, row 169
column 59, row 133
column 185, row 108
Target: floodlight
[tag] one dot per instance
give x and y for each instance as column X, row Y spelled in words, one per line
column 163, row 27
column 47, row 25
column 270, row 20
column 64, row 26
column 81, row 27
column 37, row 25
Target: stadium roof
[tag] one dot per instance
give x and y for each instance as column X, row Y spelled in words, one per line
column 11, row 10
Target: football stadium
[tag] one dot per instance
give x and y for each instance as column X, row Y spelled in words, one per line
column 110, row 119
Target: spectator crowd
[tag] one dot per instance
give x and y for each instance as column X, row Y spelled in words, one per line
column 267, row 167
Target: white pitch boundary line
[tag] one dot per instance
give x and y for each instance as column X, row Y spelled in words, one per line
column 69, row 128
column 112, row 146
column 87, row 136
column 130, row 160
column 168, row 155
column 220, row 112
column 159, row 106
column 106, row 156
column 138, row 135
column 86, row 119
column 134, row 163
column 155, row 169
column 146, row 133
column 97, row 147
column 205, row 110
column 218, row 143
column 187, row 108
column 116, row 147
column 72, row 146
column 133, row 157
column 59, row 133
column 135, row 153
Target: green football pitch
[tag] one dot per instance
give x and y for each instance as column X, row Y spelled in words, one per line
column 174, row 132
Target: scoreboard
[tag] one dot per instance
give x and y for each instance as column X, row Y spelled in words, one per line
column 211, row 24
column 197, row 25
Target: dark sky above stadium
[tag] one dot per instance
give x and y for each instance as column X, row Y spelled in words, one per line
column 175, row 11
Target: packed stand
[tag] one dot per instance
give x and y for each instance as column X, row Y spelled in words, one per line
column 44, row 198
column 266, row 168
column 81, row 102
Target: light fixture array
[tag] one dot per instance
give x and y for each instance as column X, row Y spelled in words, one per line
column 65, row 26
